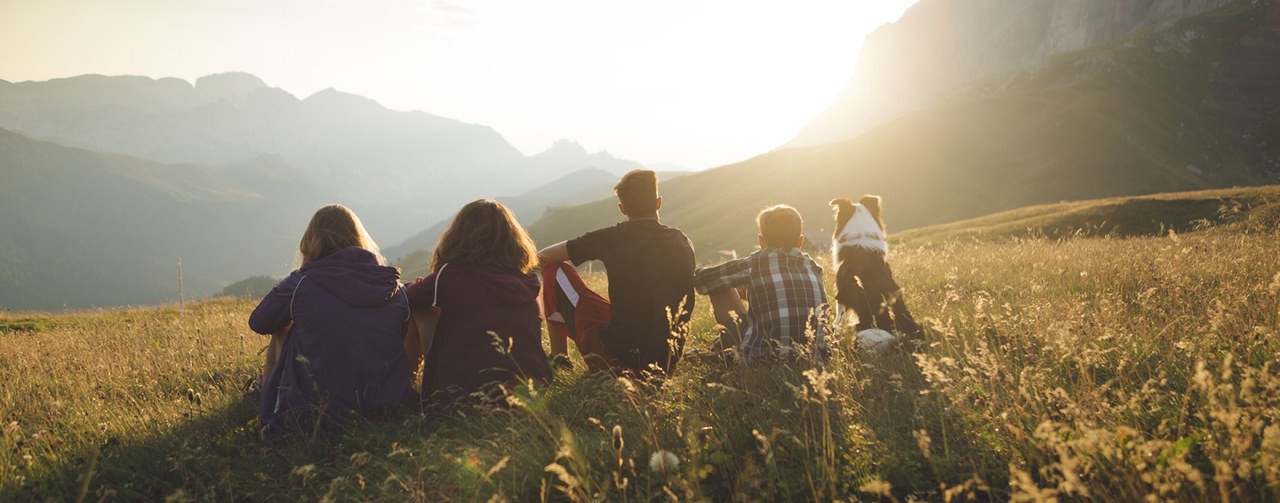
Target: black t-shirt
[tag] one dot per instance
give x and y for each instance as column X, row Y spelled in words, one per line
column 650, row 270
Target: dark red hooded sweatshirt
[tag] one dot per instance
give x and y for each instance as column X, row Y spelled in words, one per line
column 490, row 331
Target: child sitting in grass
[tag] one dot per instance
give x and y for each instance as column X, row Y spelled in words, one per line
column 337, row 323
column 482, row 291
column 783, row 288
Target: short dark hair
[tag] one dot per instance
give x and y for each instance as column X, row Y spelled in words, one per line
column 780, row 226
column 638, row 193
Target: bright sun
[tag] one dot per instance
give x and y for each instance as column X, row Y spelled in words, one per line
column 697, row 83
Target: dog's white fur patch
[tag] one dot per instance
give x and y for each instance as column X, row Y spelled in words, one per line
column 861, row 230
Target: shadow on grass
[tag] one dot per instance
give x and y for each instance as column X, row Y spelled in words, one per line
column 216, row 453
column 152, row 467
column 737, row 432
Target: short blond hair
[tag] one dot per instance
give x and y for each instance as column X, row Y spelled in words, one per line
column 638, row 193
column 333, row 228
column 780, row 226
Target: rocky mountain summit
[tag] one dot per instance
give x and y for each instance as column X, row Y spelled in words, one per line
column 939, row 44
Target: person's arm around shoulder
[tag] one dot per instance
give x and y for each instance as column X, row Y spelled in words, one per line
column 421, row 328
column 419, row 334
column 555, row 254
column 720, row 284
column 558, row 252
column 734, row 273
column 593, row 245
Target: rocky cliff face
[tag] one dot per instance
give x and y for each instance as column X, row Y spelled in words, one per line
column 939, row 44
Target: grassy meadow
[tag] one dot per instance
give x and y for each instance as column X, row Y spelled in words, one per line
column 1091, row 364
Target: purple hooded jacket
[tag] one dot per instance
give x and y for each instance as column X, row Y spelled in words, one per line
column 345, row 351
column 490, row 331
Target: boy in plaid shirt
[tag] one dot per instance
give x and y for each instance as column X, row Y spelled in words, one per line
column 783, row 288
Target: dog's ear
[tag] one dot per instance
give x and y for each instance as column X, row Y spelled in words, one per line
column 872, row 203
column 844, row 211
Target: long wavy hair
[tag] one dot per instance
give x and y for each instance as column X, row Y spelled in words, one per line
column 485, row 232
column 333, row 228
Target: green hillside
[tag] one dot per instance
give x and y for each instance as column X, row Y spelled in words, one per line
column 1252, row 209
column 1160, row 111
column 1117, row 363
column 88, row 229
column 579, row 186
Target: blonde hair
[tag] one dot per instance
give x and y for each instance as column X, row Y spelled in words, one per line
column 333, row 228
column 638, row 193
column 780, row 226
column 485, row 232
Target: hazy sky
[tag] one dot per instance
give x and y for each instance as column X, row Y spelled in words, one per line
column 692, row 82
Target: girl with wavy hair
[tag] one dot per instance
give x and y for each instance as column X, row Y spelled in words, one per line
column 488, row 337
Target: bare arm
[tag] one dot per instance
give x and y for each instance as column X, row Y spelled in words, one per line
column 559, row 343
column 555, row 253
column 274, row 348
column 417, row 340
column 413, row 346
column 558, row 252
column 726, row 304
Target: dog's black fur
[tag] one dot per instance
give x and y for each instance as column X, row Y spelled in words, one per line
column 864, row 282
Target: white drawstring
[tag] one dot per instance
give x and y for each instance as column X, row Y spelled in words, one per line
column 436, row 295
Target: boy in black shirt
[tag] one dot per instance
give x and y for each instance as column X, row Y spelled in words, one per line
column 650, row 271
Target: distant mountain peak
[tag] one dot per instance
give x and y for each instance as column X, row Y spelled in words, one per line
column 564, row 148
column 938, row 45
column 244, row 80
column 233, row 87
column 333, row 97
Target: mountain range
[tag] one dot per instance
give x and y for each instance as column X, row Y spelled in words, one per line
column 960, row 109
column 84, row 228
column 939, row 44
column 108, row 181
column 1191, row 104
column 403, row 170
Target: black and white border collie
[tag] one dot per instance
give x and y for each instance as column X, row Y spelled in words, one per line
column 864, row 282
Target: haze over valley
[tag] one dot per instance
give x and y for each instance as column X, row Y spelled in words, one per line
column 956, row 110
column 1068, row 290
column 138, row 173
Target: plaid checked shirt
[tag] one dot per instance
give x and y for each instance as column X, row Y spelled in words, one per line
column 784, row 293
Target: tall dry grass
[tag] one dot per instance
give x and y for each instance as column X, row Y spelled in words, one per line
column 1084, row 369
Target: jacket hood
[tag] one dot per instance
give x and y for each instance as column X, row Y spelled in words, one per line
column 471, row 284
column 355, row 276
